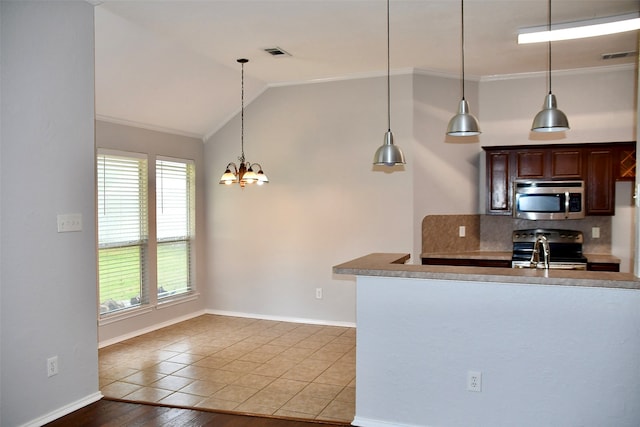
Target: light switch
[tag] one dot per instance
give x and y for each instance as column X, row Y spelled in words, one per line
column 462, row 231
column 69, row 222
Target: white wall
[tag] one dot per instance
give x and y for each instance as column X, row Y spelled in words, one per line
column 446, row 168
column 48, row 279
column 599, row 103
column 126, row 138
column 270, row 247
column 549, row 355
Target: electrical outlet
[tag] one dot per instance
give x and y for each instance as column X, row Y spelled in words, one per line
column 474, row 381
column 595, row 232
column 318, row 293
column 52, row 366
column 462, row 231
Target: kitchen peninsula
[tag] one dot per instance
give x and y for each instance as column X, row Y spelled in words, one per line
column 555, row 348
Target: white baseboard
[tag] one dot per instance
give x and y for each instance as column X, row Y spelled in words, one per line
column 369, row 422
column 150, row 328
column 157, row 326
column 282, row 318
column 65, row 410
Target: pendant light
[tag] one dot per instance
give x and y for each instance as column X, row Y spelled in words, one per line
column 463, row 123
column 550, row 119
column 388, row 154
column 243, row 174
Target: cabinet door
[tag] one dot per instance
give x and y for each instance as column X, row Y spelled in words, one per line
column 600, row 184
column 566, row 163
column 498, row 183
column 530, row 164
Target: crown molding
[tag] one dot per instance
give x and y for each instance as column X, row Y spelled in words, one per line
column 566, row 72
column 146, row 126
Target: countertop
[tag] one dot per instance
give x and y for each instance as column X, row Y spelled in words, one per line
column 506, row 256
column 393, row 265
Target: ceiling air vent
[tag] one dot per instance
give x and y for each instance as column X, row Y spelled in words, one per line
column 617, row 55
column 277, row 52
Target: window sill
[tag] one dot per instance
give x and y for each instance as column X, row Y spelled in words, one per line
column 139, row 311
column 180, row 299
column 123, row 315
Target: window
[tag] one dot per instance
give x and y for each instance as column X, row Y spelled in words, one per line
column 122, row 232
column 128, row 277
column 174, row 226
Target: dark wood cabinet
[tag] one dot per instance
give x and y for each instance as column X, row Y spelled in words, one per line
column 598, row 164
column 603, row 266
column 530, row 163
column 498, row 183
column 503, row 263
column 566, row 163
column 468, row 262
column 600, row 183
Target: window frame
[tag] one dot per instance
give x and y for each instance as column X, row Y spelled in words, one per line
column 153, row 302
column 191, row 164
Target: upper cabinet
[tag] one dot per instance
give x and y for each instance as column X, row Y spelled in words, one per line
column 598, row 164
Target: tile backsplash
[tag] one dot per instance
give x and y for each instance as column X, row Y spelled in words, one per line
column 495, row 231
column 440, row 233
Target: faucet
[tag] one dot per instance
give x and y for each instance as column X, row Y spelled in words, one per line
column 541, row 241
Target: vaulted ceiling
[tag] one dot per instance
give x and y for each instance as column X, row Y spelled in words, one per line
column 171, row 65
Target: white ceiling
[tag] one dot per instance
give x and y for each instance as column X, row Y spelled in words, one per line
column 171, row 65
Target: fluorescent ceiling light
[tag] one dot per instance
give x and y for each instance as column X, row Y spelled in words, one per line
column 580, row 29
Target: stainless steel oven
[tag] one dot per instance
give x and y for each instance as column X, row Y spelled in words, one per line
column 563, row 249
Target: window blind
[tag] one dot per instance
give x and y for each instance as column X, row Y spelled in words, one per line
column 175, row 226
column 122, row 232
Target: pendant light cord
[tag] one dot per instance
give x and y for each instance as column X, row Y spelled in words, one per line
column 388, row 71
column 549, row 45
column 462, row 43
column 242, row 112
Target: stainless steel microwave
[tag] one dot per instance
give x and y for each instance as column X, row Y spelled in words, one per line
column 544, row 199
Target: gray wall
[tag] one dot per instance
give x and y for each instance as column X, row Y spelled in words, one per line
column 48, row 279
column 270, row 247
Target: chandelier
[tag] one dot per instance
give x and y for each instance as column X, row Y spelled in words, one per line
column 244, row 173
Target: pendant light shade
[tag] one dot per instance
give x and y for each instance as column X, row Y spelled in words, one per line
column 464, row 123
column 550, row 119
column 244, row 173
column 388, row 154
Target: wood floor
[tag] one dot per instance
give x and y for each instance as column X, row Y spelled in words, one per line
column 114, row 413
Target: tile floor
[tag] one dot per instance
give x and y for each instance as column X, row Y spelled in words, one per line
column 238, row 364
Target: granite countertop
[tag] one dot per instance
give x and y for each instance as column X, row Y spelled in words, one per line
column 392, row 265
column 502, row 256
